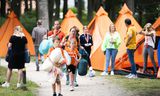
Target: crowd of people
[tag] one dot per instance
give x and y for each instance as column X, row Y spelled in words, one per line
column 72, row 43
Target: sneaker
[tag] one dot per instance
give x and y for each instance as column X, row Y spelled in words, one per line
column 54, row 94
column 133, row 76
column 112, row 72
column 6, row 84
column 128, row 75
column 19, row 85
column 60, row 94
column 104, row 73
column 71, row 88
column 67, row 82
column 75, row 84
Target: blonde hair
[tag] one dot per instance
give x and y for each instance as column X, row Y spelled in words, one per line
column 18, row 31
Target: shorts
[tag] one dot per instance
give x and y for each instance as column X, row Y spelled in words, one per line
column 71, row 68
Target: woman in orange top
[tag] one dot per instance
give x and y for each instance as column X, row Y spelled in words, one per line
column 75, row 58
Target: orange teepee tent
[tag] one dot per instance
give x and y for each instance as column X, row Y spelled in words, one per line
column 69, row 21
column 98, row 28
column 122, row 58
column 6, row 32
column 156, row 26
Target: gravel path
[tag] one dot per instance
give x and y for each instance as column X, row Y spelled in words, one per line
column 95, row 86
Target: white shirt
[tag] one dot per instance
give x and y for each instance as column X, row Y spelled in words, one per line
column 149, row 40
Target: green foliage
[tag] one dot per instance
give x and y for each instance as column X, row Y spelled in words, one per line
column 74, row 9
column 12, row 90
column 2, row 20
column 28, row 20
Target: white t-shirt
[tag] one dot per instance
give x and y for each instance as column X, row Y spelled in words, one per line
column 149, row 40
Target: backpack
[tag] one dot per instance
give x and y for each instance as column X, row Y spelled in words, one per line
column 156, row 42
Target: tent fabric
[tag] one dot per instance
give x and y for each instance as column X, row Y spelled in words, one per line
column 69, row 21
column 156, row 26
column 6, row 32
column 122, row 58
column 98, row 28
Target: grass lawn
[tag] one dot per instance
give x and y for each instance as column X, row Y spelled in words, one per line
column 12, row 90
column 140, row 86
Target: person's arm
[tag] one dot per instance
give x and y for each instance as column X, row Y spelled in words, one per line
column 117, row 41
column 129, row 37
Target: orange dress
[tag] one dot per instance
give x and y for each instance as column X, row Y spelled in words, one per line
column 74, row 55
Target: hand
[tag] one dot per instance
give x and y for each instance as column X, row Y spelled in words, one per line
column 104, row 52
column 89, row 44
column 86, row 44
column 81, row 47
column 127, row 44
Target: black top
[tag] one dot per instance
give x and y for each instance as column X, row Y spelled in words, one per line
column 86, row 42
column 18, row 49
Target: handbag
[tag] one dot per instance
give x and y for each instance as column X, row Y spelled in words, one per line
column 27, row 56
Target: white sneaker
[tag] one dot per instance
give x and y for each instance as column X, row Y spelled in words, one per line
column 104, row 73
column 112, row 72
column 133, row 76
column 19, row 85
column 6, row 84
column 128, row 75
column 71, row 88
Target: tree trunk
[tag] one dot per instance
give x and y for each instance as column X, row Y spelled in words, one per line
column 43, row 12
column 26, row 5
column 57, row 11
column 36, row 9
column 130, row 4
column 3, row 7
column 90, row 10
column 16, row 7
column 80, row 8
column 65, row 7
column 50, row 9
column 30, row 5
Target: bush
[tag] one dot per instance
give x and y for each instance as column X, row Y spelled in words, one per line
column 28, row 20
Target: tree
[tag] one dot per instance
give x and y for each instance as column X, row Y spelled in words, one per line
column 65, row 7
column 80, row 8
column 3, row 7
column 30, row 5
column 57, row 11
column 90, row 10
column 43, row 12
column 16, row 7
column 50, row 9
column 26, row 5
column 130, row 4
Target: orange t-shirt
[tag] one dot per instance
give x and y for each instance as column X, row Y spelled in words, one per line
column 60, row 34
column 73, row 54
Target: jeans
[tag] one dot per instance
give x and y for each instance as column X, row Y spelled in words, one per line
column 37, row 53
column 110, row 54
column 149, row 50
column 130, row 53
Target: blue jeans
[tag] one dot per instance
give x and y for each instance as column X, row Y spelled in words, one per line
column 37, row 53
column 110, row 54
column 149, row 50
column 130, row 53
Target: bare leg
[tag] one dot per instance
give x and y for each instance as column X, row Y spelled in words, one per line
column 54, row 87
column 19, row 75
column 9, row 74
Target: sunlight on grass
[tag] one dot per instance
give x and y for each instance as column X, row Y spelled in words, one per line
column 12, row 90
column 141, row 86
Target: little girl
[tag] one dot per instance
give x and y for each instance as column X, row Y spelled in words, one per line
column 75, row 58
column 56, row 72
